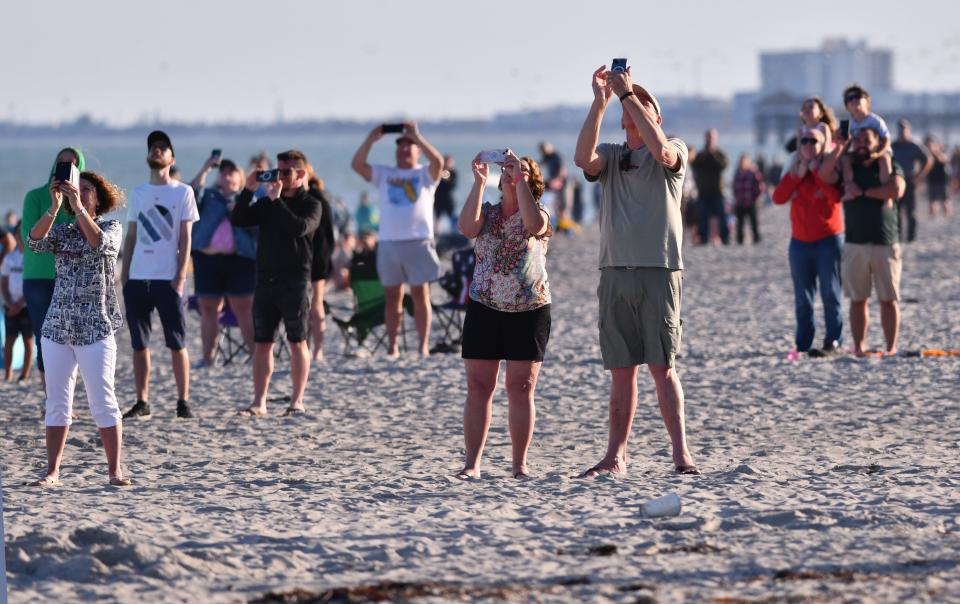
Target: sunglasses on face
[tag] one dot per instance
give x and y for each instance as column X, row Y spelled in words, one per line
column 286, row 171
column 809, row 141
column 625, row 159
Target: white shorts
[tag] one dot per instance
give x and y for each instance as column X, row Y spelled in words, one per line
column 96, row 362
column 413, row 262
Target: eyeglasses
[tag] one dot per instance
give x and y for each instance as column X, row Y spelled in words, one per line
column 286, row 171
column 809, row 141
column 852, row 98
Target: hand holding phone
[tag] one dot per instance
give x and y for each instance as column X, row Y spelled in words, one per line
column 268, row 175
column 67, row 171
column 493, row 156
column 618, row 65
column 215, row 156
column 844, row 129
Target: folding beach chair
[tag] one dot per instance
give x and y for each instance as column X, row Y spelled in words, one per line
column 456, row 283
column 365, row 329
column 229, row 341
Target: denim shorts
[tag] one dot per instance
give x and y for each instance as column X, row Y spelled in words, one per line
column 217, row 275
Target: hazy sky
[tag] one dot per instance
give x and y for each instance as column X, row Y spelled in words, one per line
column 122, row 60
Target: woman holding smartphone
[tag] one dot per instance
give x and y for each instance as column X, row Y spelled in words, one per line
column 83, row 316
column 508, row 315
column 816, row 243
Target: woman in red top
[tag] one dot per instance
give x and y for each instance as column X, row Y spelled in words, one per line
column 815, row 244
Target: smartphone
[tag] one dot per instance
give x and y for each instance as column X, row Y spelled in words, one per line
column 392, row 128
column 618, row 65
column 844, row 129
column 216, row 153
column 66, row 171
column 268, row 175
column 493, row 156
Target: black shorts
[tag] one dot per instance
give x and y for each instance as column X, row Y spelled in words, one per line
column 19, row 324
column 278, row 300
column 217, row 275
column 495, row 335
column 140, row 298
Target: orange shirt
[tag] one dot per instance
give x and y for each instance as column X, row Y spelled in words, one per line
column 815, row 211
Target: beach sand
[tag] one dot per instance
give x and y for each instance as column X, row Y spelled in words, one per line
column 824, row 480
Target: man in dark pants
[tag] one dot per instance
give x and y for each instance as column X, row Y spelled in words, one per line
column 287, row 218
column 708, row 169
column 909, row 155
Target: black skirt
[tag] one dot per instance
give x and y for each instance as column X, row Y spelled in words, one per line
column 493, row 335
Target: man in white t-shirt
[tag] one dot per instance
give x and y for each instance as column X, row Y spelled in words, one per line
column 155, row 255
column 405, row 252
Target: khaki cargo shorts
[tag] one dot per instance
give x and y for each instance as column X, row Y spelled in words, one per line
column 866, row 264
column 639, row 316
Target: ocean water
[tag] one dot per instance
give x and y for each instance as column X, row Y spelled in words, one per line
column 25, row 163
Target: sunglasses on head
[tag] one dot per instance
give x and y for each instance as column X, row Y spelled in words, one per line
column 850, row 98
column 809, row 140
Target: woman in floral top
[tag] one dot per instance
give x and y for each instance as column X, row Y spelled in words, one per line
column 508, row 316
column 83, row 316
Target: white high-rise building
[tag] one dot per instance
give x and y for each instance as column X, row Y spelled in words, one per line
column 827, row 71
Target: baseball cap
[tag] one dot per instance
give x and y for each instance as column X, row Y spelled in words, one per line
column 159, row 136
column 227, row 165
column 643, row 93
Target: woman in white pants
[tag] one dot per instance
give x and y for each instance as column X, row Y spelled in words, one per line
column 83, row 316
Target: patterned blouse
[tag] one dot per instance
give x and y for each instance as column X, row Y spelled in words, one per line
column 511, row 272
column 84, row 309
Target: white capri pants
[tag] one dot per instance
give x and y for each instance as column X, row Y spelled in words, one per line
column 97, row 363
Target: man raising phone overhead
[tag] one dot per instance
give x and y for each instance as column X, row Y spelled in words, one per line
column 641, row 232
column 406, row 253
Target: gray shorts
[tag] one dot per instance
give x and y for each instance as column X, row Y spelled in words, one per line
column 412, row 262
column 639, row 316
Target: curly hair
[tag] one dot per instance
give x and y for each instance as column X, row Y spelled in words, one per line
column 537, row 186
column 109, row 196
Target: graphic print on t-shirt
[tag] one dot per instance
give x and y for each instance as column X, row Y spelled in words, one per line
column 156, row 223
column 403, row 191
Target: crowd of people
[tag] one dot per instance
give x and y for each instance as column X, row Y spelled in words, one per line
column 263, row 243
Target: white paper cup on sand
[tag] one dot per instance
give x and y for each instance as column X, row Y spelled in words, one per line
column 668, row 505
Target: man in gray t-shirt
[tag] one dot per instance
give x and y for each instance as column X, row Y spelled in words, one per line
column 641, row 234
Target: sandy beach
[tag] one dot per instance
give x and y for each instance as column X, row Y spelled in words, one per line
column 824, row 480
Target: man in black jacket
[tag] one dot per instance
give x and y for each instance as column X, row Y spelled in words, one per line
column 287, row 218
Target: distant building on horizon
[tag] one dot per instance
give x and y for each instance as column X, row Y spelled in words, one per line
column 827, row 71
column 789, row 77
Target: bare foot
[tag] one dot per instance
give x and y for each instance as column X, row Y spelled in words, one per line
column 317, row 356
column 253, row 411
column 469, row 474
column 119, row 480
column 605, row 467
column 393, row 354
column 50, row 480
